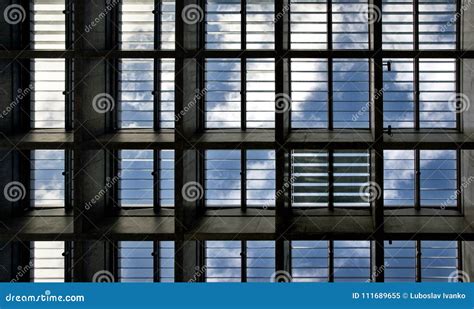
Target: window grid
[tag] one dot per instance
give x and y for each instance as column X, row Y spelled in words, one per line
column 48, row 260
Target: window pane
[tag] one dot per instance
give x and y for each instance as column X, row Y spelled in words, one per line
column 309, row 93
column 308, row 24
column 136, row 179
column 47, row 179
column 351, row 173
column 260, row 24
column 437, row 28
column 260, row 260
column 309, row 261
column 48, row 105
column 398, row 95
column 137, row 24
column 223, row 178
column 48, row 24
column 223, row 24
column 438, row 178
column 437, row 89
column 166, row 261
column 310, row 171
column 260, row 93
column 260, row 178
column 135, row 261
column 397, row 24
column 136, row 98
column 223, row 95
column 48, row 261
column 439, row 260
column 400, row 261
column 167, row 178
column 399, row 178
column 168, row 17
column 351, row 93
column 349, row 29
column 352, row 261
column 223, row 261
column 167, row 118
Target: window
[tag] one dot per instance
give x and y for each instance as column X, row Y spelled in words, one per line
column 437, row 182
column 223, row 24
column 352, row 261
column 239, row 261
column 260, row 93
column 137, row 24
column 434, row 261
column 260, row 178
column 225, row 176
column 223, row 182
column 48, row 76
column 223, row 97
column 312, row 187
column 309, row 261
column 436, row 27
column 399, row 178
column 400, row 261
column 350, row 31
column 397, row 24
column 308, row 24
column 136, row 261
column 48, row 261
column 138, row 180
column 47, row 179
column 260, row 25
column 136, row 93
column 309, row 93
column 398, row 93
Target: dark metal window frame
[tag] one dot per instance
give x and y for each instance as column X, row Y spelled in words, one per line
column 68, row 255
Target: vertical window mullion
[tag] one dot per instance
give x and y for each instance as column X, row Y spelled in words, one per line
column 417, row 180
column 243, row 180
column 243, row 268
column 331, row 179
column 68, row 179
column 416, row 91
column 68, row 261
column 69, row 12
column 418, row 261
column 330, row 261
column 156, row 261
column 156, row 180
column 157, row 68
